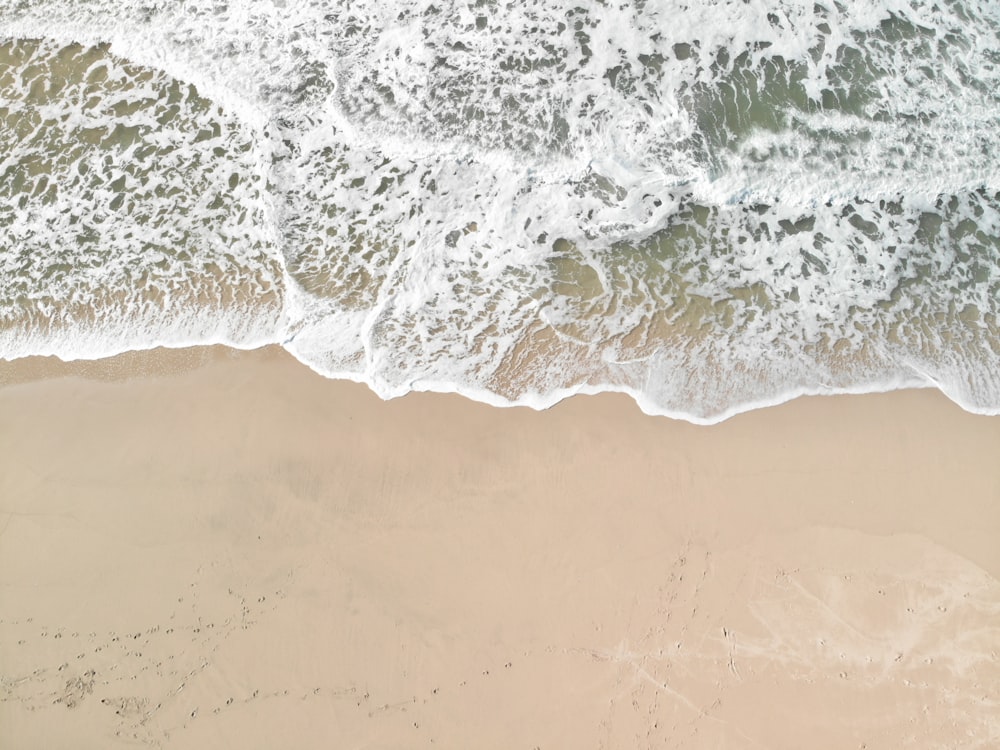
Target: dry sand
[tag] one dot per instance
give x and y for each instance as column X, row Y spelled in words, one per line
column 230, row 551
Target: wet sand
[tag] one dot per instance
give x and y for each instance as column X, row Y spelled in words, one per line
column 218, row 549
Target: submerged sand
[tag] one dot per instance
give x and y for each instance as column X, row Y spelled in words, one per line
column 219, row 549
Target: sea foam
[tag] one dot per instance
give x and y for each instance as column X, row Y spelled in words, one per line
column 710, row 206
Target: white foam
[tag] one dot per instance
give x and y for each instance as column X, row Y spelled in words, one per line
column 421, row 163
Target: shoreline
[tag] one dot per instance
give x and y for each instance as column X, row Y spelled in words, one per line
column 171, row 359
column 211, row 547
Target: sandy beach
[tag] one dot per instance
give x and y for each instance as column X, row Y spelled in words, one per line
column 219, row 549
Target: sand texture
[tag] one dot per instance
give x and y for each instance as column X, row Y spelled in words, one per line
column 207, row 549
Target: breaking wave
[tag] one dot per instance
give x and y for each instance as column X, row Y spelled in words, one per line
column 711, row 206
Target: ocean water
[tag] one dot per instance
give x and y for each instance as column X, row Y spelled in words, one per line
column 710, row 205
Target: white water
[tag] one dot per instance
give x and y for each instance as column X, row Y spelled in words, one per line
column 712, row 207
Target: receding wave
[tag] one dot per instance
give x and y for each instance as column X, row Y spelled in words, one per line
column 711, row 206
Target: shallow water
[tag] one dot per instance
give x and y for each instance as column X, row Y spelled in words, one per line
column 712, row 206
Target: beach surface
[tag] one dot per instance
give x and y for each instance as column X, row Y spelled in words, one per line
column 211, row 548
